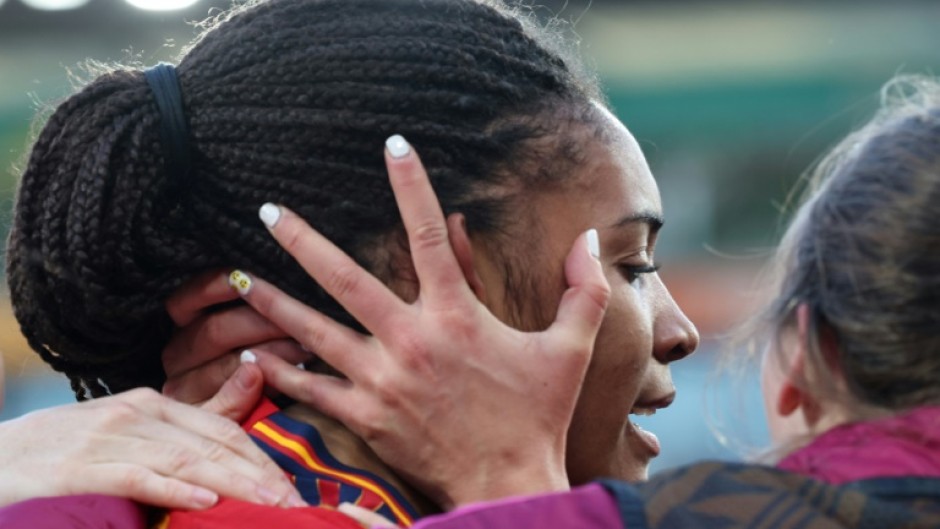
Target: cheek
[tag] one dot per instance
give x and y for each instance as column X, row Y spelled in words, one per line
column 626, row 334
column 623, row 348
column 622, row 353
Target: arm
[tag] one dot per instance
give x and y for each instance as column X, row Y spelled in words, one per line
column 586, row 507
column 590, row 506
column 90, row 511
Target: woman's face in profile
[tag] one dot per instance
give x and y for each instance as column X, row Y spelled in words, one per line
column 643, row 330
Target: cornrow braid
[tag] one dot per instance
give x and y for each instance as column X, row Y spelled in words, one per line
column 288, row 101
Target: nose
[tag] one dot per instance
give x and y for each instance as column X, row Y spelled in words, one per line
column 675, row 335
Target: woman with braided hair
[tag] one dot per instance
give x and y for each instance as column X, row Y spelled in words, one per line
column 146, row 179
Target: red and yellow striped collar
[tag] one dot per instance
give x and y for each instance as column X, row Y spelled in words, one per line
column 321, row 479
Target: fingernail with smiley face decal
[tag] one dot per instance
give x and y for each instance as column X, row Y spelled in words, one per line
column 240, row 281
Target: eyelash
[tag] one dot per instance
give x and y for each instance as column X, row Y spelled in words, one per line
column 633, row 272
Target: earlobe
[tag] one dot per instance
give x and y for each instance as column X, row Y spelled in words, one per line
column 789, row 399
column 463, row 251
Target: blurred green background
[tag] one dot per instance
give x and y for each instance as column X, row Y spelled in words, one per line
column 731, row 102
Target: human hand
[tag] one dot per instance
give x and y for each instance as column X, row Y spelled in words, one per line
column 140, row 445
column 205, row 348
column 462, row 405
column 367, row 519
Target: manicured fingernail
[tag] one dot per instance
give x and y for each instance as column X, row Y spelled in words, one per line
column 397, row 146
column 247, row 357
column 594, row 245
column 269, row 215
column 240, row 281
column 204, row 498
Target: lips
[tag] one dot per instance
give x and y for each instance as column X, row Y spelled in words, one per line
column 645, row 408
column 649, row 406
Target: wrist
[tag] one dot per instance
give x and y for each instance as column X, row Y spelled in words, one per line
column 538, row 476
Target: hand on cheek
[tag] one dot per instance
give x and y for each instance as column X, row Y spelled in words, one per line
column 442, row 372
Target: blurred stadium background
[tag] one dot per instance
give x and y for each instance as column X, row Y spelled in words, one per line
column 730, row 100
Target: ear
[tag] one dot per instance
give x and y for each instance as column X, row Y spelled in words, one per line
column 463, row 250
column 792, row 395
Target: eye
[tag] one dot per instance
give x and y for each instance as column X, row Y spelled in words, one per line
column 633, row 272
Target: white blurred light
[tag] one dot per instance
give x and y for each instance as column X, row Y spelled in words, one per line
column 161, row 5
column 55, row 5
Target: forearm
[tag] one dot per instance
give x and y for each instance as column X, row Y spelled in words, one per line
column 590, row 506
column 519, row 474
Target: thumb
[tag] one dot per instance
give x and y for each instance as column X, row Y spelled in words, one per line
column 584, row 304
column 240, row 393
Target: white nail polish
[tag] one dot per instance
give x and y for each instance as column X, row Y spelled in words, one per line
column 397, row 146
column 240, row 281
column 247, row 357
column 269, row 214
column 594, row 245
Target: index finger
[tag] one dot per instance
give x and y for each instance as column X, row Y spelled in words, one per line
column 439, row 274
column 366, row 298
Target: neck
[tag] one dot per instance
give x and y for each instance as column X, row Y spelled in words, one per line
column 349, row 449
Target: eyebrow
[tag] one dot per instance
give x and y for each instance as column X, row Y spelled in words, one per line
column 654, row 221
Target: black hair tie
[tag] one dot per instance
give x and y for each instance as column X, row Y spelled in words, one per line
column 174, row 132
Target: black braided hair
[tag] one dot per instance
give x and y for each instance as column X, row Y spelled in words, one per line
column 288, row 101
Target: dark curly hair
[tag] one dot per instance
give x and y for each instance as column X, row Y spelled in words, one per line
column 287, row 101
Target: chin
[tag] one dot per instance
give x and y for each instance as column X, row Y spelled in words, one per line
column 636, row 470
column 626, row 462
